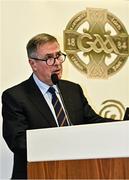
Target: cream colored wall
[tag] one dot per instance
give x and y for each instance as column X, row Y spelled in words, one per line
column 22, row 19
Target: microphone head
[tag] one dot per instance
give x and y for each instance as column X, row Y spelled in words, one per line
column 54, row 78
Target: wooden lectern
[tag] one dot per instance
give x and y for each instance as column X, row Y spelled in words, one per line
column 93, row 151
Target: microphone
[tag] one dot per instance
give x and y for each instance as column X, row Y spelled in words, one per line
column 54, row 78
column 55, row 81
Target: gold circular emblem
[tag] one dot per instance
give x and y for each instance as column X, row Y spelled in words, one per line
column 96, row 42
column 112, row 109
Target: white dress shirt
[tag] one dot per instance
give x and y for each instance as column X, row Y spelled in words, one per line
column 47, row 95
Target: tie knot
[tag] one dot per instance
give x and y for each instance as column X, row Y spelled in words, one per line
column 51, row 90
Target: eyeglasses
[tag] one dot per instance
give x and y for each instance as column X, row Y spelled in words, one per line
column 50, row 60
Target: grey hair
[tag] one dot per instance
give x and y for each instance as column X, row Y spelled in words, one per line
column 36, row 41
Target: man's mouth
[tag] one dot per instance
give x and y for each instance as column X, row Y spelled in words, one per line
column 57, row 71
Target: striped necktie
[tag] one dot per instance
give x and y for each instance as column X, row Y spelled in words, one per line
column 61, row 117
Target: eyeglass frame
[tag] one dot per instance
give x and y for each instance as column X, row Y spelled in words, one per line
column 54, row 58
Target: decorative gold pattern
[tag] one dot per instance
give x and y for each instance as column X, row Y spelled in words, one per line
column 112, row 109
column 96, row 42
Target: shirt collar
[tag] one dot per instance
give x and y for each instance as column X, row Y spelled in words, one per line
column 43, row 86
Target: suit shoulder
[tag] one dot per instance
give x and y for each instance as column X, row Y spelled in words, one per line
column 69, row 84
column 15, row 88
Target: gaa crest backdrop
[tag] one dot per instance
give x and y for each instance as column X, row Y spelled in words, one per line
column 93, row 34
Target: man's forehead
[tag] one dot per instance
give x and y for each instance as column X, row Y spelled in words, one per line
column 49, row 47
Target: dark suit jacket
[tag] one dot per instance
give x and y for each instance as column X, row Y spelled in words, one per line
column 24, row 107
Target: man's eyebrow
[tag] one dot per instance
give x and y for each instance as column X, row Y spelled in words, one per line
column 51, row 54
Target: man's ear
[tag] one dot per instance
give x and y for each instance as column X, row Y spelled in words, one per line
column 33, row 64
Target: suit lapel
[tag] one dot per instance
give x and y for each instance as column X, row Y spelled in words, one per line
column 40, row 103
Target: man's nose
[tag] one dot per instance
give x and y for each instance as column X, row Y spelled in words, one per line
column 57, row 61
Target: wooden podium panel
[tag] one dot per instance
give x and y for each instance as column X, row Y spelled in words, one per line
column 113, row 168
column 96, row 151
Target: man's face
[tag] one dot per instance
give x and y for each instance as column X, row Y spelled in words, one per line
column 41, row 69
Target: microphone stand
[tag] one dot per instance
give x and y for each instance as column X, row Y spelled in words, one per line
column 55, row 81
